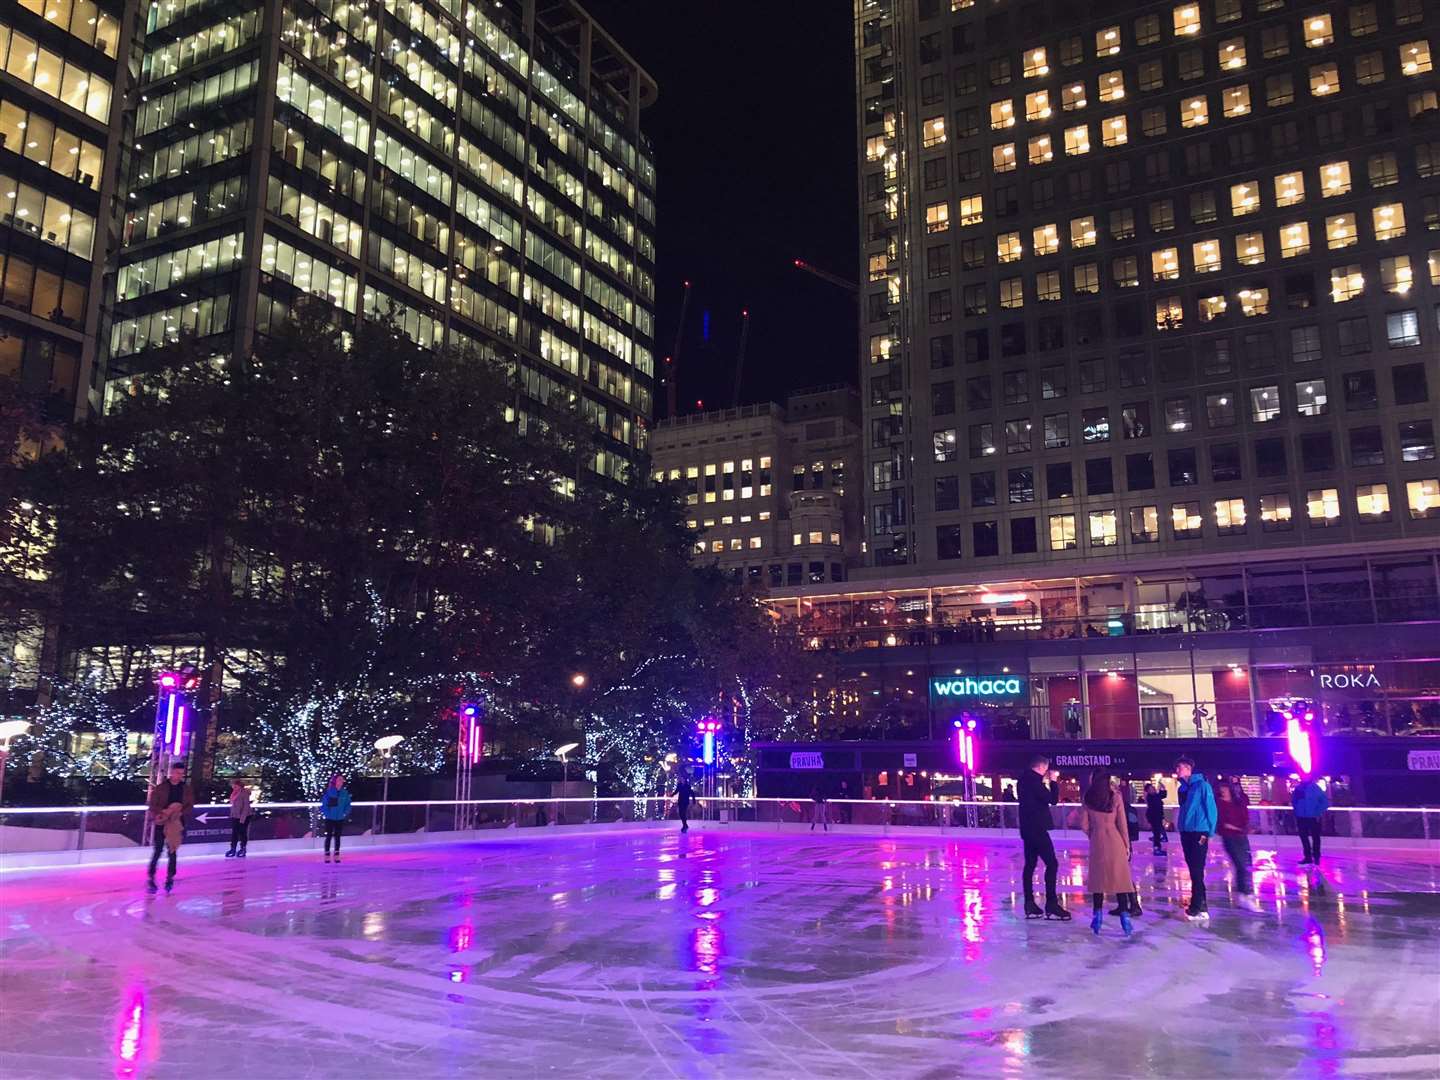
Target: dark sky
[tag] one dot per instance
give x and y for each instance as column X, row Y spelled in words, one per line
column 754, row 134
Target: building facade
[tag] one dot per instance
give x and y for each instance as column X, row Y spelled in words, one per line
column 771, row 492
column 475, row 170
column 1142, row 279
column 64, row 70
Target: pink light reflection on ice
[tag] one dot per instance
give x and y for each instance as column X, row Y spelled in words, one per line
column 1315, row 945
column 130, row 1037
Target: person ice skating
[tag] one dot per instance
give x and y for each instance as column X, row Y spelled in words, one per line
column 1108, row 866
column 170, row 800
column 1195, row 823
column 1309, row 802
column 1155, row 815
column 335, row 808
column 684, row 793
column 1035, row 797
column 820, row 809
column 239, row 819
column 1233, row 813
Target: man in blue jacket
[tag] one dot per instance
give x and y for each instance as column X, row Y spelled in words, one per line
column 1195, row 823
column 1309, row 802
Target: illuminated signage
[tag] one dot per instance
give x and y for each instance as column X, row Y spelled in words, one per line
column 805, row 759
column 1003, row 598
column 1423, row 761
column 1075, row 761
column 963, row 686
column 1344, row 681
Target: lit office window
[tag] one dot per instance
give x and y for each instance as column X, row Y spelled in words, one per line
column 932, row 132
column 1236, row 100
column 1274, row 512
column 1396, row 275
column 1423, row 497
column 1107, row 41
column 1389, row 221
column 1229, row 516
column 1264, row 404
column 1165, row 264
column 1002, row 158
column 1077, row 140
column 1322, row 505
column 1185, row 520
column 1036, row 64
column 875, row 148
column 972, row 209
column 1319, row 32
column 1008, row 247
column 1037, row 105
column 1206, row 254
column 1415, row 58
column 1115, row 131
column 937, row 217
column 1289, row 189
column 1232, row 54
column 1046, row 240
column 1087, row 277
column 1112, row 86
column 1041, row 151
column 1144, row 524
column 1169, row 314
column 1012, row 293
column 1103, row 530
column 1047, row 285
column 1340, row 231
column 1250, row 248
column 1072, row 97
column 1335, row 179
column 1294, row 240
column 1372, row 501
column 1254, row 301
column 1324, row 80
column 1346, row 283
column 1062, row 532
column 1311, row 398
column 1244, row 198
column 1187, row 20
column 1432, row 259
column 1082, row 232
column 1194, row 112
column 1002, row 115
column 1210, row 308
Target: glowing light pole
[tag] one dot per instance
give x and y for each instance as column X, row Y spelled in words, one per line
column 173, row 716
column 707, row 728
column 1299, row 737
column 8, row 730
column 386, row 745
column 468, row 750
column 965, row 754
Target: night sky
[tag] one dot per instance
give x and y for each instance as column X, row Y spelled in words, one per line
column 754, row 134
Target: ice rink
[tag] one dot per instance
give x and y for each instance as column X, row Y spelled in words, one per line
column 719, row 953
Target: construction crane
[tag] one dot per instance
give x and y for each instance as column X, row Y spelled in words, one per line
column 672, row 362
column 740, row 356
column 825, row 275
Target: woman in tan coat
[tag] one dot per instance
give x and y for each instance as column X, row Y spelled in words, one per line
column 1103, row 819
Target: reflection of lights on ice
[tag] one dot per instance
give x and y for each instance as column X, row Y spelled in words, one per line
column 132, row 1030
column 1016, row 1041
column 1315, row 945
column 707, row 945
column 461, row 937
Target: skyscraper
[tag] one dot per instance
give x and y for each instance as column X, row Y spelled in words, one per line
column 1147, row 279
column 475, row 170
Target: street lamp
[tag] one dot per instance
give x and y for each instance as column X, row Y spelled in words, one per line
column 386, row 745
column 8, row 730
column 579, row 679
column 562, row 753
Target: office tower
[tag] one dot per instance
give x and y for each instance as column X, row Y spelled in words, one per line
column 62, row 84
column 476, row 170
column 1147, row 280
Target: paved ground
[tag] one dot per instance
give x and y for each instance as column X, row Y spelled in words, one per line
column 722, row 954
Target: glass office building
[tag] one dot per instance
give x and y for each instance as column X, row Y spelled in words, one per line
column 62, row 86
column 475, row 170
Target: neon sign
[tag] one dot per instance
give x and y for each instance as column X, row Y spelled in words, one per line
column 997, row 686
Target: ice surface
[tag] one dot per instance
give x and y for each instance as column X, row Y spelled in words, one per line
column 719, row 953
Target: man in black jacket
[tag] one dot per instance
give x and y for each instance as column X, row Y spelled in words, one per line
column 1036, row 796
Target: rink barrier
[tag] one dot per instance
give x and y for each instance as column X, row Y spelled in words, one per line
column 56, row 835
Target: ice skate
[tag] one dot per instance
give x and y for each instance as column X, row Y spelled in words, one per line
column 1033, row 910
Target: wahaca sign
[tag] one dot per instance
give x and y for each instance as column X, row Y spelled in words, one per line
column 987, row 686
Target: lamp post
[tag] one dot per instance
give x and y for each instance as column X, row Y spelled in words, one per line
column 469, row 747
column 173, row 709
column 707, row 728
column 563, row 752
column 965, row 753
column 8, row 730
column 386, row 745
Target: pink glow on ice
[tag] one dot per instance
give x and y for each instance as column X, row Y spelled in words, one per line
column 130, row 1038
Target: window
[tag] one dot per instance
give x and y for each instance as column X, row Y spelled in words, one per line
column 1082, row 232
column 1415, row 57
column 972, row 209
column 1191, row 63
column 1206, row 254
column 1417, row 440
column 1279, row 90
column 1383, row 171
column 1162, row 215
column 1294, row 240
column 1254, row 301
column 1409, row 384
column 939, row 305
column 1178, row 416
column 1087, row 277
column 1169, row 314
column 1366, row 446
column 1115, row 131
column 1402, row 329
column 1236, row 100
column 1035, row 64
column 1289, row 189
column 1264, row 403
column 1072, row 97
column 1250, row 248
column 1319, row 32
column 1021, row 485
column 1062, row 532
column 947, row 541
column 947, row 493
column 1017, row 436
column 1346, row 283
column 1335, row 179
column 1144, row 524
column 1220, row 409
column 982, row 440
column 1057, row 431
column 937, row 217
column 1135, row 420
column 1103, row 532
column 1340, row 231
column 1270, row 457
column 1274, row 42
column 1107, row 41
column 1304, row 344
column 1231, row 54
column 1037, row 105
column 1369, row 69
column 1015, row 387
column 1047, row 285
column 986, row 537
column 1187, row 19
column 1322, row 506
column 1147, row 30
column 1185, row 521
column 1275, row 512
column 1077, row 140
column 1040, row 150
column 1426, row 101
column 932, row 132
column 1092, row 376
column 1317, row 452
column 1324, row 79
column 937, row 262
column 1229, row 516
column 1002, row 158
column 1194, row 112
column 1389, row 221
column 1423, row 498
column 1354, row 336
column 1311, row 398
column 1008, row 247
column 1363, row 20
column 1165, row 264
column 1408, row 12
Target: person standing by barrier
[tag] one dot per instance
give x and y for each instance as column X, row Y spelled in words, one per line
column 820, row 809
column 239, row 819
column 335, row 809
column 1036, row 797
column 1233, row 813
column 1108, row 865
column 1155, row 815
column 1309, row 802
column 170, row 800
column 684, row 793
column 1196, row 824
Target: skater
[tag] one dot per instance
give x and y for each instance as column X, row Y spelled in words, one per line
column 820, row 809
column 170, row 800
column 239, row 819
column 1195, row 823
column 1155, row 815
column 1108, row 869
column 335, row 808
column 1233, row 812
column 1035, row 798
column 683, row 794
column 1310, row 803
